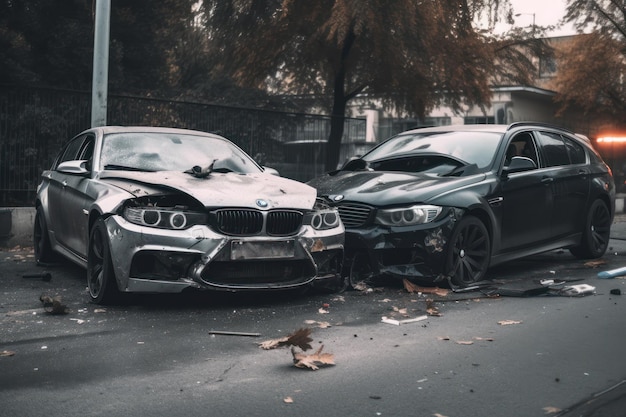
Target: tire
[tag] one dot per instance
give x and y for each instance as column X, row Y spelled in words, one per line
column 41, row 239
column 597, row 232
column 469, row 252
column 100, row 274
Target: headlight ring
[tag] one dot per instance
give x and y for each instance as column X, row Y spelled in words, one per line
column 163, row 218
column 408, row 216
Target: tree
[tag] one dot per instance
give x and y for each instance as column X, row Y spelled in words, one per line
column 590, row 76
column 50, row 43
column 592, row 68
column 410, row 54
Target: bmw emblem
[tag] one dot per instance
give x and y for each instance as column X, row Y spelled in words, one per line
column 262, row 203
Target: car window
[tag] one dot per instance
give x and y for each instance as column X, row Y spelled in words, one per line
column 522, row 144
column 72, row 150
column 470, row 147
column 576, row 151
column 152, row 151
column 553, row 149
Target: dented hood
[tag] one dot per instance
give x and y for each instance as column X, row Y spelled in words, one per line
column 383, row 188
column 218, row 189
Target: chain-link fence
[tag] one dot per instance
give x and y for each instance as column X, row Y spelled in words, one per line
column 35, row 122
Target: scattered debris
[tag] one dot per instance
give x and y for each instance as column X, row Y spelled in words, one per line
column 577, row 290
column 322, row 310
column 551, row 410
column 616, row 291
column 300, row 338
column 53, row 305
column 464, row 342
column 313, row 361
column 7, row 353
column 612, row 273
column 44, row 276
column 405, row 321
column 445, row 338
column 229, row 333
column 288, row 400
column 509, row 322
column 320, row 324
column 413, row 289
column 431, row 309
column 484, row 339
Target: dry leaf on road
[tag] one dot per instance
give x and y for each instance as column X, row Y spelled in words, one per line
column 300, row 338
column 412, row 288
column 313, row 361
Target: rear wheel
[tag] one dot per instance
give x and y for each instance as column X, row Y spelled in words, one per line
column 41, row 239
column 100, row 274
column 469, row 251
column 597, row 232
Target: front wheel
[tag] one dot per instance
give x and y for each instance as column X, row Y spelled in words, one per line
column 469, row 251
column 100, row 275
column 597, row 232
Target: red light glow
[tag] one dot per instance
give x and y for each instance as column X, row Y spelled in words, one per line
column 612, row 139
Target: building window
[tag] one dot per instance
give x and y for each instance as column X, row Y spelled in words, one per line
column 547, row 67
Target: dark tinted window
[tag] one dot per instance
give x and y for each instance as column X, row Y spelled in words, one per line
column 553, row 149
column 576, row 151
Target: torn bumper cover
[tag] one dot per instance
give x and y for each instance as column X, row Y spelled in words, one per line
column 402, row 252
column 153, row 260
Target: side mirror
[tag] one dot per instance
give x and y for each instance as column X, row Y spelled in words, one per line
column 271, row 171
column 355, row 163
column 519, row 164
column 78, row 167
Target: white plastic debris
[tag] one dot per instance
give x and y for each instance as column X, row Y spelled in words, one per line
column 578, row 290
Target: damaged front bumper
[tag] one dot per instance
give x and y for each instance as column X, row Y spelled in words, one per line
column 155, row 260
column 401, row 252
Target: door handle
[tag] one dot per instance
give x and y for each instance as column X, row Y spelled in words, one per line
column 547, row 180
column 64, row 183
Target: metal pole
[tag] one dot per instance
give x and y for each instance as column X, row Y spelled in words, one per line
column 100, row 78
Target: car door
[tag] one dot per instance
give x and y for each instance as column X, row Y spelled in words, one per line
column 567, row 165
column 526, row 204
column 68, row 197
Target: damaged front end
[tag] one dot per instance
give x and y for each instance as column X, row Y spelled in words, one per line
column 159, row 246
column 415, row 251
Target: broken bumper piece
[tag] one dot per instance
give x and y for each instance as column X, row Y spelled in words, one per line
column 153, row 260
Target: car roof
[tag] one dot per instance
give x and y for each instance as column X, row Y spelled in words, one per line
column 461, row 128
column 495, row 128
column 150, row 129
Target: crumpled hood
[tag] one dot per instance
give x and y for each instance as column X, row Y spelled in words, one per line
column 218, row 189
column 386, row 188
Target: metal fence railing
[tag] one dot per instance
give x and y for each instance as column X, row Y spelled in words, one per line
column 35, row 122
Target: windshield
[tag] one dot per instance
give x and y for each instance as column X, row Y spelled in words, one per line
column 471, row 148
column 154, row 151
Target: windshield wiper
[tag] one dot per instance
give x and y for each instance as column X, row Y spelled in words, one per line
column 114, row 167
column 462, row 170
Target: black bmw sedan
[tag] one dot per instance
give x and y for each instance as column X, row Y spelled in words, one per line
column 445, row 203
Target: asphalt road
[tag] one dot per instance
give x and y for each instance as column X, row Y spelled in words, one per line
column 155, row 354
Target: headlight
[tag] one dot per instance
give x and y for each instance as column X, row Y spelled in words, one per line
column 163, row 218
column 407, row 216
column 323, row 217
